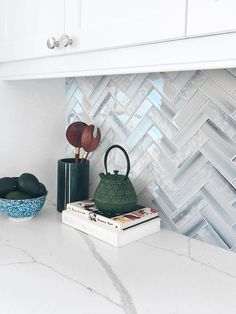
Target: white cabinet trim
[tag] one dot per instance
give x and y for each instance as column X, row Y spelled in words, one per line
column 187, row 54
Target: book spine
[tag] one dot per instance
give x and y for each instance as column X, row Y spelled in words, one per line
column 91, row 228
column 96, row 218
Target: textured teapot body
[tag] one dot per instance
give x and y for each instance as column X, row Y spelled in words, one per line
column 115, row 193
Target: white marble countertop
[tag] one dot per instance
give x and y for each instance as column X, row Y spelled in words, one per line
column 47, row 267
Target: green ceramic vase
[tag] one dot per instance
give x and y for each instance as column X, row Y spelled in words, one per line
column 72, row 182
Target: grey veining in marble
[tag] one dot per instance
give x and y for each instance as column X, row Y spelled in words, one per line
column 47, row 267
column 126, row 299
column 179, row 129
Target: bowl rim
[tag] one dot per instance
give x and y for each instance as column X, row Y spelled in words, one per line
column 24, row 199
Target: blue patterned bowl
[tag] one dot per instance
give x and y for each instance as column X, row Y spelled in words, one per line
column 22, row 209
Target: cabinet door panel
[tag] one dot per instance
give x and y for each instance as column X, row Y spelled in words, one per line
column 26, row 25
column 211, row 16
column 105, row 24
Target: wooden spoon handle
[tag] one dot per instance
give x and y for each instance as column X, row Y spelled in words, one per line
column 77, row 153
column 85, row 157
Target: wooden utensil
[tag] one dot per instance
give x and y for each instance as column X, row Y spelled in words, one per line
column 88, row 141
column 73, row 134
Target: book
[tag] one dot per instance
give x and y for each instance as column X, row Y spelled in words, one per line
column 119, row 222
column 108, row 235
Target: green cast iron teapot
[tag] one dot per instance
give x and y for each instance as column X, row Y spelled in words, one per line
column 115, row 192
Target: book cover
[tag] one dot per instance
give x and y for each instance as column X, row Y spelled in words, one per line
column 107, row 234
column 115, row 221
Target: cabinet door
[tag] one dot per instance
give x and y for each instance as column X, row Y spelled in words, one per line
column 211, row 16
column 26, row 25
column 99, row 24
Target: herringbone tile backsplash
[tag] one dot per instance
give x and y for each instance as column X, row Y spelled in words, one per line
column 179, row 129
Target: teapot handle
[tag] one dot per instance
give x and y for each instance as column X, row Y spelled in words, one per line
column 126, row 156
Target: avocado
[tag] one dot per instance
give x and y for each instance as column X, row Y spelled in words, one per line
column 17, row 195
column 7, row 185
column 29, row 184
column 15, row 179
column 43, row 190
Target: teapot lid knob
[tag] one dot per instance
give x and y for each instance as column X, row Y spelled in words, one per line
column 116, row 172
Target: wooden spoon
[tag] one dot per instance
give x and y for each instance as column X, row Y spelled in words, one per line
column 73, row 134
column 88, row 142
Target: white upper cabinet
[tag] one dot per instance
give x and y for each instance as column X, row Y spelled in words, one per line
column 96, row 37
column 26, row 25
column 106, row 24
column 211, row 16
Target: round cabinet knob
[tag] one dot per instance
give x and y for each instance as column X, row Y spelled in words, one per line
column 52, row 43
column 66, row 41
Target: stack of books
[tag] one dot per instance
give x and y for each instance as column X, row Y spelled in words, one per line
column 117, row 230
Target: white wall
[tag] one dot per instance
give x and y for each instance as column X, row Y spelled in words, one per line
column 32, row 137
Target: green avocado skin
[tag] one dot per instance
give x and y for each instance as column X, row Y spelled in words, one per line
column 43, row 190
column 17, row 195
column 7, row 185
column 29, row 184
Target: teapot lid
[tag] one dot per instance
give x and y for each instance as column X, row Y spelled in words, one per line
column 114, row 177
